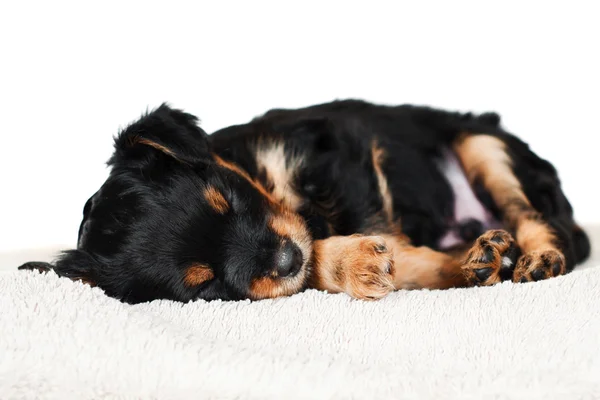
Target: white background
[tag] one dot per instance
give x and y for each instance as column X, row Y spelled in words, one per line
column 72, row 74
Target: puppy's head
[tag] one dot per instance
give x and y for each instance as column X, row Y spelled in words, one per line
column 175, row 221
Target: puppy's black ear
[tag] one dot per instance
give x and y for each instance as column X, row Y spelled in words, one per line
column 39, row 266
column 77, row 265
column 73, row 264
column 163, row 132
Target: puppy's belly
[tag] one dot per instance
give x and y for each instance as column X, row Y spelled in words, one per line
column 466, row 205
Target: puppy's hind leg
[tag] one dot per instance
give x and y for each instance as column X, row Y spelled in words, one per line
column 369, row 267
column 546, row 251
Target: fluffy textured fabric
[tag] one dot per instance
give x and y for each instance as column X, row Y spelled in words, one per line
column 61, row 339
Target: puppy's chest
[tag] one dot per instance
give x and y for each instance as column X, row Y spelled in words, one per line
column 278, row 171
column 301, row 182
column 468, row 209
column 315, row 195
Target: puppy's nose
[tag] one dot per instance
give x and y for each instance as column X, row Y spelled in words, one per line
column 288, row 259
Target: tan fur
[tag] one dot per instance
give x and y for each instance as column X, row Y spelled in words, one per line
column 290, row 225
column 378, row 156
column 280, row 172
column 477, row 258
column 265, row 288
column 422, row 267
column 533, row 235
column 157, row 146
column 353, row 265
column 286, row 224
column 239, row 171
column 216, row 200
column 485, row 158
column 272, row 286
column 197, row 274
column 361, row 266
column 539, row 261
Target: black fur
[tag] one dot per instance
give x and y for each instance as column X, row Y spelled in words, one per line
column 149, row 221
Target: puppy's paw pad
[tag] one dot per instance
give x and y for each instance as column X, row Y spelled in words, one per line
column 539, row 265
column 491, row 259
column 483, row 273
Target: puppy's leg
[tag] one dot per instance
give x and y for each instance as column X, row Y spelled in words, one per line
column 488, row 260
column 422, row 267
column 369, row 267
column 485, row 160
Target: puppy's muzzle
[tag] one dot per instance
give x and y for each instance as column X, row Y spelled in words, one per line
column 288, row 259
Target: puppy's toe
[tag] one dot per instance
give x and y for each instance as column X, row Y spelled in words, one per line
column 491, row 259
column 539, row 265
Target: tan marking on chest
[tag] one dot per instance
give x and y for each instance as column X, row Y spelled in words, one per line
column 280, row 171
column 378, row 156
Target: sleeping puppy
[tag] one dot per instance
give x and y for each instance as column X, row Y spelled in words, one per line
column 345, row 197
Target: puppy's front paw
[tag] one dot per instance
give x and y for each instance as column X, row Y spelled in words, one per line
column 364, row 268
column 361, row 266
column 368, row 268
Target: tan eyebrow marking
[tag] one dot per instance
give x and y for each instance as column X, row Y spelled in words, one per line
column 216, row 200
column 234, row 168
column 197, row 274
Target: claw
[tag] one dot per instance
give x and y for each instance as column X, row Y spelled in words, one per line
column 381, row 248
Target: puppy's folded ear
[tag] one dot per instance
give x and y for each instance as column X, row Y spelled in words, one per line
column 77, row 265
column 163, row 132
column 73, row 264
column 39, row 266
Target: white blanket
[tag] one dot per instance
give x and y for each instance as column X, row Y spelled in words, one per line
column 64, row 340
